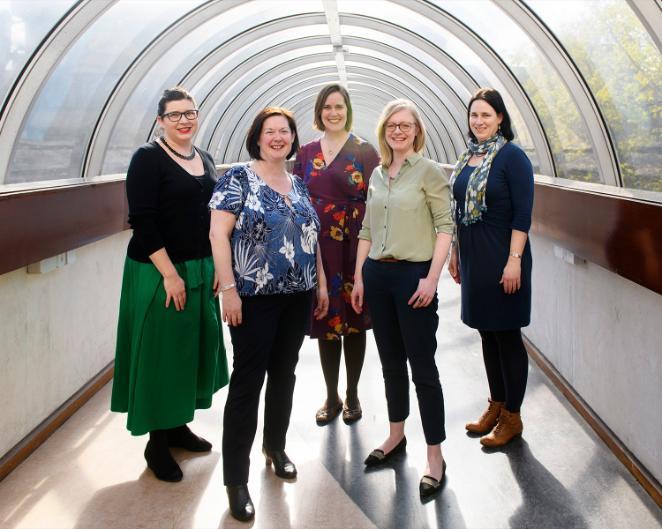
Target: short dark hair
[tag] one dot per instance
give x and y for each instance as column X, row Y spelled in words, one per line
column 254, row 132
column 321, row 99
column 493, row 98
column 176, row 93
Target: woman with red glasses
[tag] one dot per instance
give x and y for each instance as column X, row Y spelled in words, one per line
column 170, row 358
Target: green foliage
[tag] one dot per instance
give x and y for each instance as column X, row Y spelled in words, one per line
column 623, row 68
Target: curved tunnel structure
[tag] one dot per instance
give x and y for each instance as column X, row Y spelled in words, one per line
column 227, row 52
column 582, row 79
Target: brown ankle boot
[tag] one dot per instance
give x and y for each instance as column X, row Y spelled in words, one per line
column 508, row 426
column 487, row 420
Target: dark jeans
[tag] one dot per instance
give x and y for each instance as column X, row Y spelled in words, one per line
column 267, row 342
column 507, row 366
column 403, row 333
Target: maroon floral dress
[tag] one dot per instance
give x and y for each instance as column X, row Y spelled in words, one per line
column 338, row 192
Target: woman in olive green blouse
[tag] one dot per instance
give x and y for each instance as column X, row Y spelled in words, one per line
column 402, row 247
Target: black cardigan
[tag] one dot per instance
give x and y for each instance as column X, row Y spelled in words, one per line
column 168, row 206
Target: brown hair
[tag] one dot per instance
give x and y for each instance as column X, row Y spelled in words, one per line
column 391, row 108
column 176, row 93
column 253, row 137
column 493, row 98
column 321, row 99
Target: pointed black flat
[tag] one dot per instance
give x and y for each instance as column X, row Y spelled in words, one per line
column 378, row 457
column 429, row 485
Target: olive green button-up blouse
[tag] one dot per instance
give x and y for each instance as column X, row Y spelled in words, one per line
column 403, row 218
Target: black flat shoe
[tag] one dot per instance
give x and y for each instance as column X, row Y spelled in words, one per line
column 378, row 457
column 161, row 462
column 241, row 505
column 429, row 485
column 283, row 467
column 183, row 437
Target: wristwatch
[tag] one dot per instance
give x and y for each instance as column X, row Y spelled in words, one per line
column 515, row 255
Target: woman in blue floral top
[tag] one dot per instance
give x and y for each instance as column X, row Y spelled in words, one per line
column 264, row 242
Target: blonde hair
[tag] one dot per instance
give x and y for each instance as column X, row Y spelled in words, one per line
column 391, row 108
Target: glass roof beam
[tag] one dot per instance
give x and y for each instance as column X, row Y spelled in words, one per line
column 650, row 15
column 499, row 68
column 44, row 60
column 333, row 22
column 578, row 89
column 143, row 62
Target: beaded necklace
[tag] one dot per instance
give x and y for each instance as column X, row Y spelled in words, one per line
column 188, row 157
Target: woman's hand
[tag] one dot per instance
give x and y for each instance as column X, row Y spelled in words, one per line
column 175, row 290
column 231, row 307
column 322, row 307
column 454, row 266
column 510, row 279
column 217, row 285
column 357, row 296
column 424, row 294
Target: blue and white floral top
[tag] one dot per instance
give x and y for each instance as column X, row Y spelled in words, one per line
column 273, row 244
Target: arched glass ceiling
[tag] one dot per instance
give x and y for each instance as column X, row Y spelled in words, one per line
column 22, row 28
column 409, row 60
column 61, row 117
column 573, row 150
column 623, row 67
column 78, row 97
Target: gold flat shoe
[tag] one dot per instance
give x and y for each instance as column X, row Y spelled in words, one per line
column 325, row 415
column 350, row 415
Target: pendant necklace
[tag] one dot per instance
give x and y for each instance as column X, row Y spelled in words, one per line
column 188, row 157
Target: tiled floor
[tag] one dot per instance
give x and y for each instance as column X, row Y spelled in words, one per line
column 91, row 473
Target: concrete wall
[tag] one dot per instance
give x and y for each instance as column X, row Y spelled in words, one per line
column 603, row 333
column 58, row 331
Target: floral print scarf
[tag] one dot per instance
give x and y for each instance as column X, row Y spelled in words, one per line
column 474, row 201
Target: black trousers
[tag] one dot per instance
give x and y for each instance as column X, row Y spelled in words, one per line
column 403, row 333
column 507, row 366
column 267, row 342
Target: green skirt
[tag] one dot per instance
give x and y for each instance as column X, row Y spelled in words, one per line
column 167, row 363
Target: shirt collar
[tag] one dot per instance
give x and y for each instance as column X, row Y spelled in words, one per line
column 413, row 159
column 410, row 161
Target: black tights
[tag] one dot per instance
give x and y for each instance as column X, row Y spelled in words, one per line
column 354, row 346
column 507, row 366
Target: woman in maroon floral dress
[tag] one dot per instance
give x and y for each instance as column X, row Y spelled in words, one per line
column 336, row 168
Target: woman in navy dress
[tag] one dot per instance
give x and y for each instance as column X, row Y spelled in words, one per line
column 336, row 169
column 492, row 186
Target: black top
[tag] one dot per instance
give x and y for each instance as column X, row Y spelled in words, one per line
column 168, row 206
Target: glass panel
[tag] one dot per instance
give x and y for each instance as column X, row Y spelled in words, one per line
column 564, row 126
column 55, row 135
column 23, row 25
column 623, row 67
column 454, row 47
column 138, row 115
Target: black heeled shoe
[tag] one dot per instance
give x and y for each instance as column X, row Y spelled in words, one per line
column 160, row 461
column 241, row 505
column 429, row 485
column 283, row 467
column 378, row 457
column 183, row 437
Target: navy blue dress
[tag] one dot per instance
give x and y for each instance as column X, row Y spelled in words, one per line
column 484, row 246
